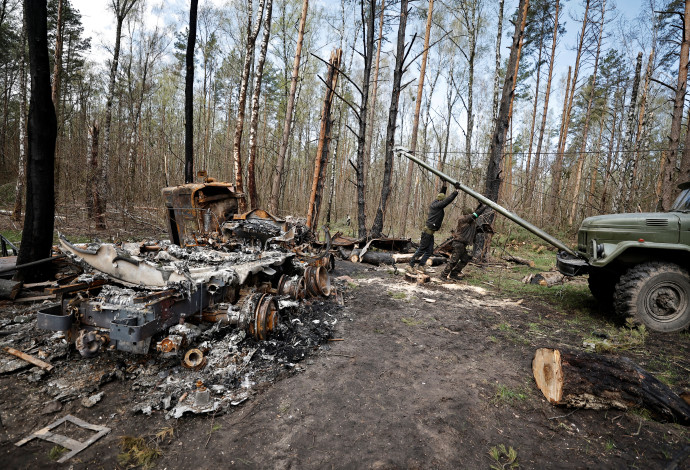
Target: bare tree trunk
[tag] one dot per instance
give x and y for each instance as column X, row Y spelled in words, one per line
column 472, row 22
column 23, row 144
column 497, row 69
column 629, row 131
column 121, row 8
column 252, row 33
column 321, row 160
column 542, row 127
column 37, row 233
column 563, row 137
column 367, row 54
column 642, row 120
column 528, row 169
column 493, row 172
column 418, row 107
column 668, row 188
column 92, row 193
column 189, row 96
column 374, row 92
column 400, row 56
column 585, row 131
column 280, row 162
column 254, row 119
column 55, row 95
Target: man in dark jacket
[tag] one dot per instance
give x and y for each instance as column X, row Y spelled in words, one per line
column 463, row 235
column 433, row 224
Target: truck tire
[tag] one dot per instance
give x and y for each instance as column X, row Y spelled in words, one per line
column 656, row 294
column 602, row 284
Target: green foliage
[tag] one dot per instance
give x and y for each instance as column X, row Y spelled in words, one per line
column 397, row 295
column 504, row 457
column 507, row 395
column 628, row 337
column 410, row 322
column 56, row 452
column 143, row 451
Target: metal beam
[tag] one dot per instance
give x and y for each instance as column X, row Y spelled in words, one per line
column 500, row 209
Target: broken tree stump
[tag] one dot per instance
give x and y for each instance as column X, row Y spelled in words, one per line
column 593, row 381
column 9, row 289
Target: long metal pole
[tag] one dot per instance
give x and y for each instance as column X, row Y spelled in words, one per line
column 500, row 209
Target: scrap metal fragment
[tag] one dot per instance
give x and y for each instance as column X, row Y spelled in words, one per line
column 73, row 445
column 123, row 266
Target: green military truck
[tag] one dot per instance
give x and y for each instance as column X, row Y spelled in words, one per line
column 637, row 263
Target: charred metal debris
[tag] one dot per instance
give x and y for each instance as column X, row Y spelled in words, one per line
column 196, row 322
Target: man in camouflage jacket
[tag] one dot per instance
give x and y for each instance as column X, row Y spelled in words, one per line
column 463, row 235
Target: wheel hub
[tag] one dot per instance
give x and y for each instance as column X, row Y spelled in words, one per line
column 666, row 301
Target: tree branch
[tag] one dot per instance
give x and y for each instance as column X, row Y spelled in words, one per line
column 340, row 72
column 354, row 110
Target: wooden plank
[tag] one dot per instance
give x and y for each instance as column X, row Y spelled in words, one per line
column 33, row 360
column 35, row 298
column 76, row 287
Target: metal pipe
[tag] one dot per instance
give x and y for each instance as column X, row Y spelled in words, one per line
column 500, row 209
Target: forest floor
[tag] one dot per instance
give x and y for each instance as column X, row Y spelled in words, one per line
column 421, row 376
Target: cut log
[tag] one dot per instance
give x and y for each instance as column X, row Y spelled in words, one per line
column 370, row 257
column 407, row 257
column 9, row 289
column 546, row 279
column 518, row 260
column 592, row 381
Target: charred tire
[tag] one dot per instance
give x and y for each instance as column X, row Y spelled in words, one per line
column 602, row 284
column 656, row 294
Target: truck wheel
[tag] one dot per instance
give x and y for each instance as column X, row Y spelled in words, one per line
column 657, row 294
column 602, row 284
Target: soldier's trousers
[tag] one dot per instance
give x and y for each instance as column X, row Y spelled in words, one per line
column 458, row 259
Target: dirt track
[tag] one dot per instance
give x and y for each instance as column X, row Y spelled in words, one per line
column 413, row 384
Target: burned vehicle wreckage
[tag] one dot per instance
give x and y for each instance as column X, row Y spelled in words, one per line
column 223, row 276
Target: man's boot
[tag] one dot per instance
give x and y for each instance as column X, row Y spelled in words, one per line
column 410, row 269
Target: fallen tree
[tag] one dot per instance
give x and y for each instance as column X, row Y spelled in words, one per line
column 593, row 381
column 370, row 257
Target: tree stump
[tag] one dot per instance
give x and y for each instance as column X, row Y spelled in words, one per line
column 592, row 381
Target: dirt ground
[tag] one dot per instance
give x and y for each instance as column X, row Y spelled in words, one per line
column 432, row 376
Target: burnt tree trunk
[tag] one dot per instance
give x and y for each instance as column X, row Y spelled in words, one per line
column 374, row 93
column 593, row 381
column 367, row 55
column 400, row 56
column 37, row 234
column 493, row 172
column 189, row 96
column 321, row 160
column 417, row 110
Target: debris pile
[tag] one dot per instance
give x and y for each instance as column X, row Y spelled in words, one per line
column 234, row 301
